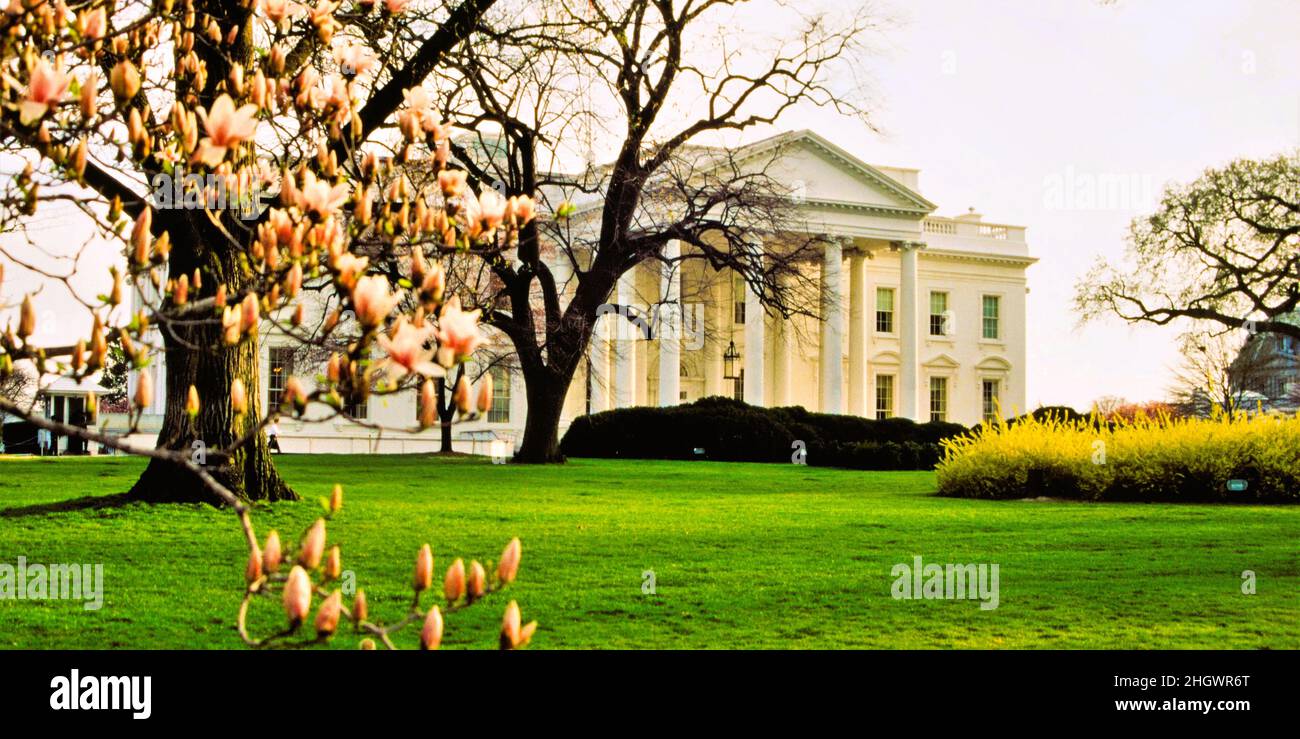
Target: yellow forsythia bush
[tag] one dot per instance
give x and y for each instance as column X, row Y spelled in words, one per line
column 1247, row 459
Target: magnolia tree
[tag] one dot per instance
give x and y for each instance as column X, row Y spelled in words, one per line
column 172, row 126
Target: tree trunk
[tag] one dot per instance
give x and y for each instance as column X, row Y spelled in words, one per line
column 446, row 413
column 197, row 355
column 248, row 473
column 546, row 393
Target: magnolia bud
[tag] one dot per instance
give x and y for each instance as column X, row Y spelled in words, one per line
column 141, row 237
column 327, row 618
column 313, row 545
column 125, row 80
column 476, row 583
column 143, row 390
column 431, row 634
column 453, row 585
column 509, row 565
column 271, row 553
column 253, row 571
column 359, row 608
column 423, row 569
column 26, row 318
column 510, row 626
column 334, row 563
column 428, row 404
column 461, row 396
column 367, row 645
column 336, row 499
column 297, row 595
column 192, row 402
column 238, row 396
column 485, row 395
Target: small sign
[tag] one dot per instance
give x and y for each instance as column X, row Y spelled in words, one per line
column 1237, row 486
column 699, row 451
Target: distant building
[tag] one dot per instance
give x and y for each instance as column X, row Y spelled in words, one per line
column 1269, row 369
column 927, row 321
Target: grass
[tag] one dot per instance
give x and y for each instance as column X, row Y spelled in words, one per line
column 744, row 556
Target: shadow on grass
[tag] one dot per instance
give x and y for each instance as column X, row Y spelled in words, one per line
column 84, row 503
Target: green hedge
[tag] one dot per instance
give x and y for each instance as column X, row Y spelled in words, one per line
column 729, row 430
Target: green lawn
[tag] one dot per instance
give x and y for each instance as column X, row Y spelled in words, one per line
column 750, row 556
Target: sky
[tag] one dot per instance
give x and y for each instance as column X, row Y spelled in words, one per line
column 1014, row 107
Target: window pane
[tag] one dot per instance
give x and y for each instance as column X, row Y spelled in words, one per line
column 500, row 411
column 938, row 309
column 989, row 397
column 938, row 398
column 884, row 396
column 885, row 310
column 992, row 307
column 280, row 370
column 885, row 299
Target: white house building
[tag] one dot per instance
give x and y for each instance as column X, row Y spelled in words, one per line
column 923, row 317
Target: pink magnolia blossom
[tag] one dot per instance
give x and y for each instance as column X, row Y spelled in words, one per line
column 277, row 10
column 458, row 335
column 319, row 198
column 372, row 301
column 406, row 352
column 226, row 128
column 354, row 59
column 49, row 85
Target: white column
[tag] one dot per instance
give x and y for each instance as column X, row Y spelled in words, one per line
column 832, row 343
column 858, row 312
column 670, row 327
column 716, row 303
column 754, row 346
column 624, row 345
column 599, row 356
column 782, row 356
column 909, row 334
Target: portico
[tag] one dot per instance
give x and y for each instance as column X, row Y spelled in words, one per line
column 912, row 309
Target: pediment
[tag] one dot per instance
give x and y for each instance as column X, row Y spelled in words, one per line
column 994, row 364
column 941, row 361
column 822, row 173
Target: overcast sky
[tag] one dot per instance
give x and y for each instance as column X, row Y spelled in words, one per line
column 1014, row 107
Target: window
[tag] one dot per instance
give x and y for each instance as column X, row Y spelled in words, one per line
column 938, row 314
column 938, row 398
column 739, row 291
column 884, row 397
column 739, row 317
column 500, row 411
column 885, row 310
column 357, row 410
column 989, row 398
column 992, row 309
column 281, row 368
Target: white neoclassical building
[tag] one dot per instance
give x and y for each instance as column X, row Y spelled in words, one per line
column 921, row 316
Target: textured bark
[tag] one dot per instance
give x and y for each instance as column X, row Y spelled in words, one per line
column 196, row 355
column 541, row 441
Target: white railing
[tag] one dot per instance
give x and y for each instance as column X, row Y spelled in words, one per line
column 973, row 229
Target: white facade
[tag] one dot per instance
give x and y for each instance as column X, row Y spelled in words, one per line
column 921, row 317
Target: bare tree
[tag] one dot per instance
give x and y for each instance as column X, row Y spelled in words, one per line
column 654, row 76
column 1219, row 373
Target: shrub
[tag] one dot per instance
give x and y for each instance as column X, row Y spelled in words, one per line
column 1146, row 459
column 729, row 430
